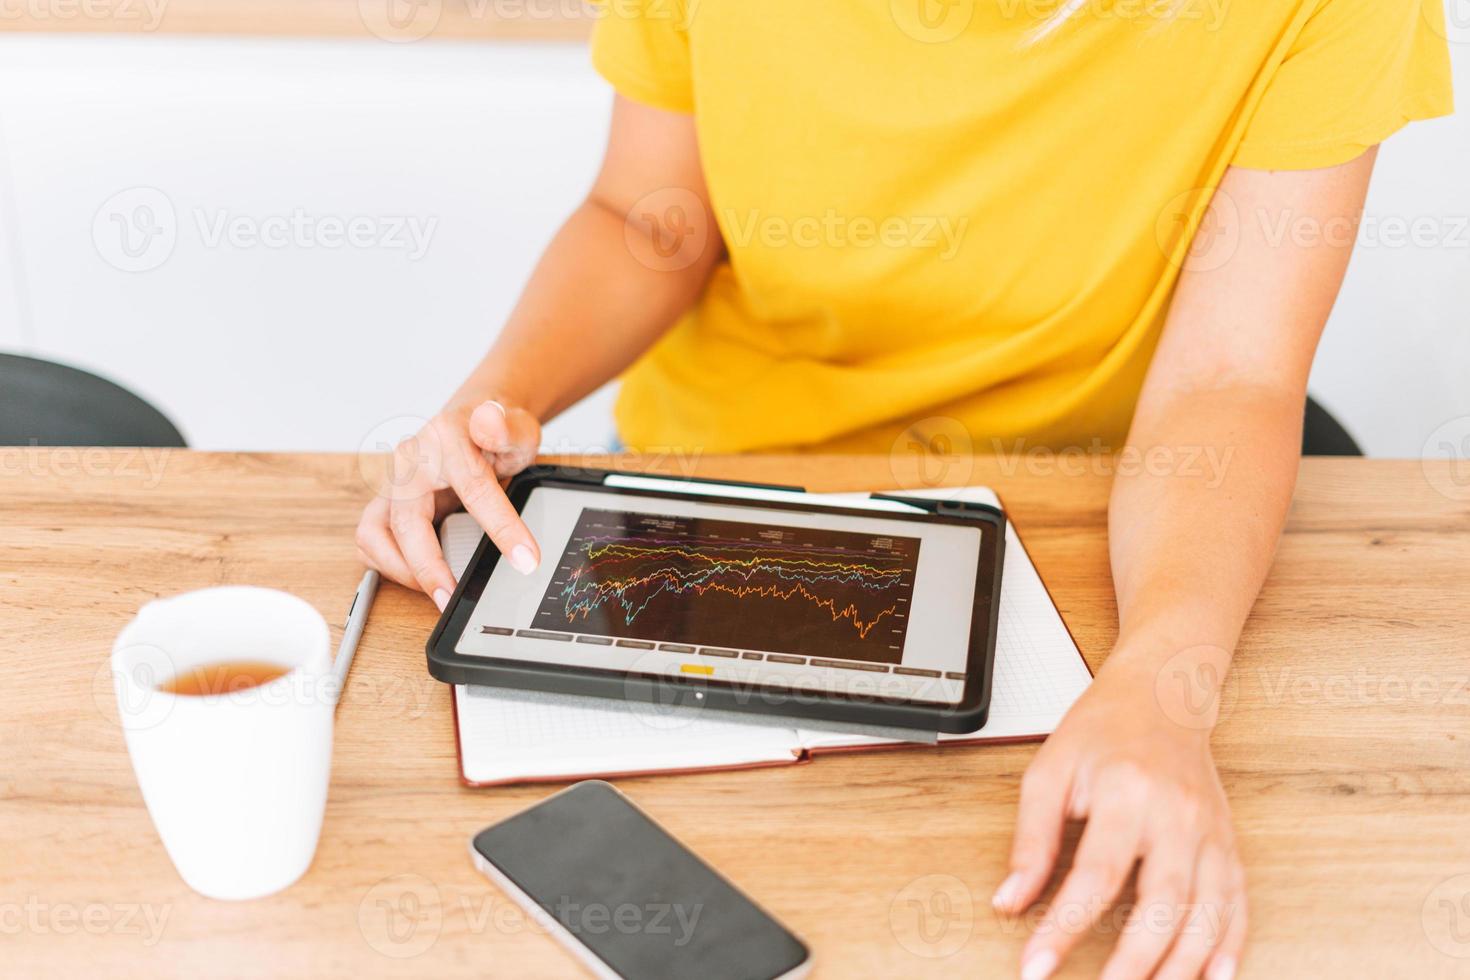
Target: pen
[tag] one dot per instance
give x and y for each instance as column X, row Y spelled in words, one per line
column 362, row 603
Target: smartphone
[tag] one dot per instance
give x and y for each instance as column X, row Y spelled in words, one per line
column 626, row 898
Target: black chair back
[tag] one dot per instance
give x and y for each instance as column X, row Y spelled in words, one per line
column 43, row 403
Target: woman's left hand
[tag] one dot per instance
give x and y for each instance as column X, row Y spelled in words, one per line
column 1147, row 787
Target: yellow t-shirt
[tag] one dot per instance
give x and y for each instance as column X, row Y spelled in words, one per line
column 941, row 224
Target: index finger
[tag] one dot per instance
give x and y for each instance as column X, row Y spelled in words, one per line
column 480, row 492
column 1105, row 857
column 1039, row 822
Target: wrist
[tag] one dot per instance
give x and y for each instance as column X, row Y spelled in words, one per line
column 476, row 391
column 1181, row 681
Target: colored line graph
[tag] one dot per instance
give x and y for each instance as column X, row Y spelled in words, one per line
column 734, row 584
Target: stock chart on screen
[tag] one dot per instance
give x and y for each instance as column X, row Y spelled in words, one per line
column 694, row 580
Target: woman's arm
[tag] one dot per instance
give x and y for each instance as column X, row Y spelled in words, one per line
column 627, row 263
column 621, row 270
column 1193, row 529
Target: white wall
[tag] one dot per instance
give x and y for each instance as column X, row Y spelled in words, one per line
column 1394, row 364
column 484, row 147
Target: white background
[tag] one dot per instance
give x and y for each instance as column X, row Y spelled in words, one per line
column 317, row 348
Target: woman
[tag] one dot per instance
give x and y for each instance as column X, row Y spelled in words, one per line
column 840, row 226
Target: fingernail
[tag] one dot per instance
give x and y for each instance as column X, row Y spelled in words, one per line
column 1222, row 969
column 1005, row 895
column 441, row 599
column 522, row 559
column 1039, row 965
column 497, row 404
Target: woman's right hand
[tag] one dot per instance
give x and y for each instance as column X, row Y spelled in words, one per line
column 459, row 457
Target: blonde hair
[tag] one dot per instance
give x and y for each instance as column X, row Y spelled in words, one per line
column 1068, row 10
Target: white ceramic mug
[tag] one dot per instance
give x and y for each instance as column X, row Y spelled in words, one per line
column 235, row 782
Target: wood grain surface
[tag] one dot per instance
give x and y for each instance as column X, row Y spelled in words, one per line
column 394, row 21
column 1345, row 744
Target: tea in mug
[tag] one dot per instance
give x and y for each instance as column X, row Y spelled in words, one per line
column 229, row 677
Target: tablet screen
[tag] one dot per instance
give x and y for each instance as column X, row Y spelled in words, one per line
column 761, row 595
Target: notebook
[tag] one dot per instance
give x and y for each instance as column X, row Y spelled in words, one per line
column 518, row 737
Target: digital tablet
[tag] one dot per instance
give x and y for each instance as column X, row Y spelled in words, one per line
column 736, row 597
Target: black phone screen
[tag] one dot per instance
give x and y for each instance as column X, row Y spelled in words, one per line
column 632, row 895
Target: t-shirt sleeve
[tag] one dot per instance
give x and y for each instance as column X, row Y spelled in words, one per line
column 642, row 48
column 1358, row 71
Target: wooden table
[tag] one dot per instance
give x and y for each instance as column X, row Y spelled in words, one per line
column 1345, row 746
column 394, row 21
